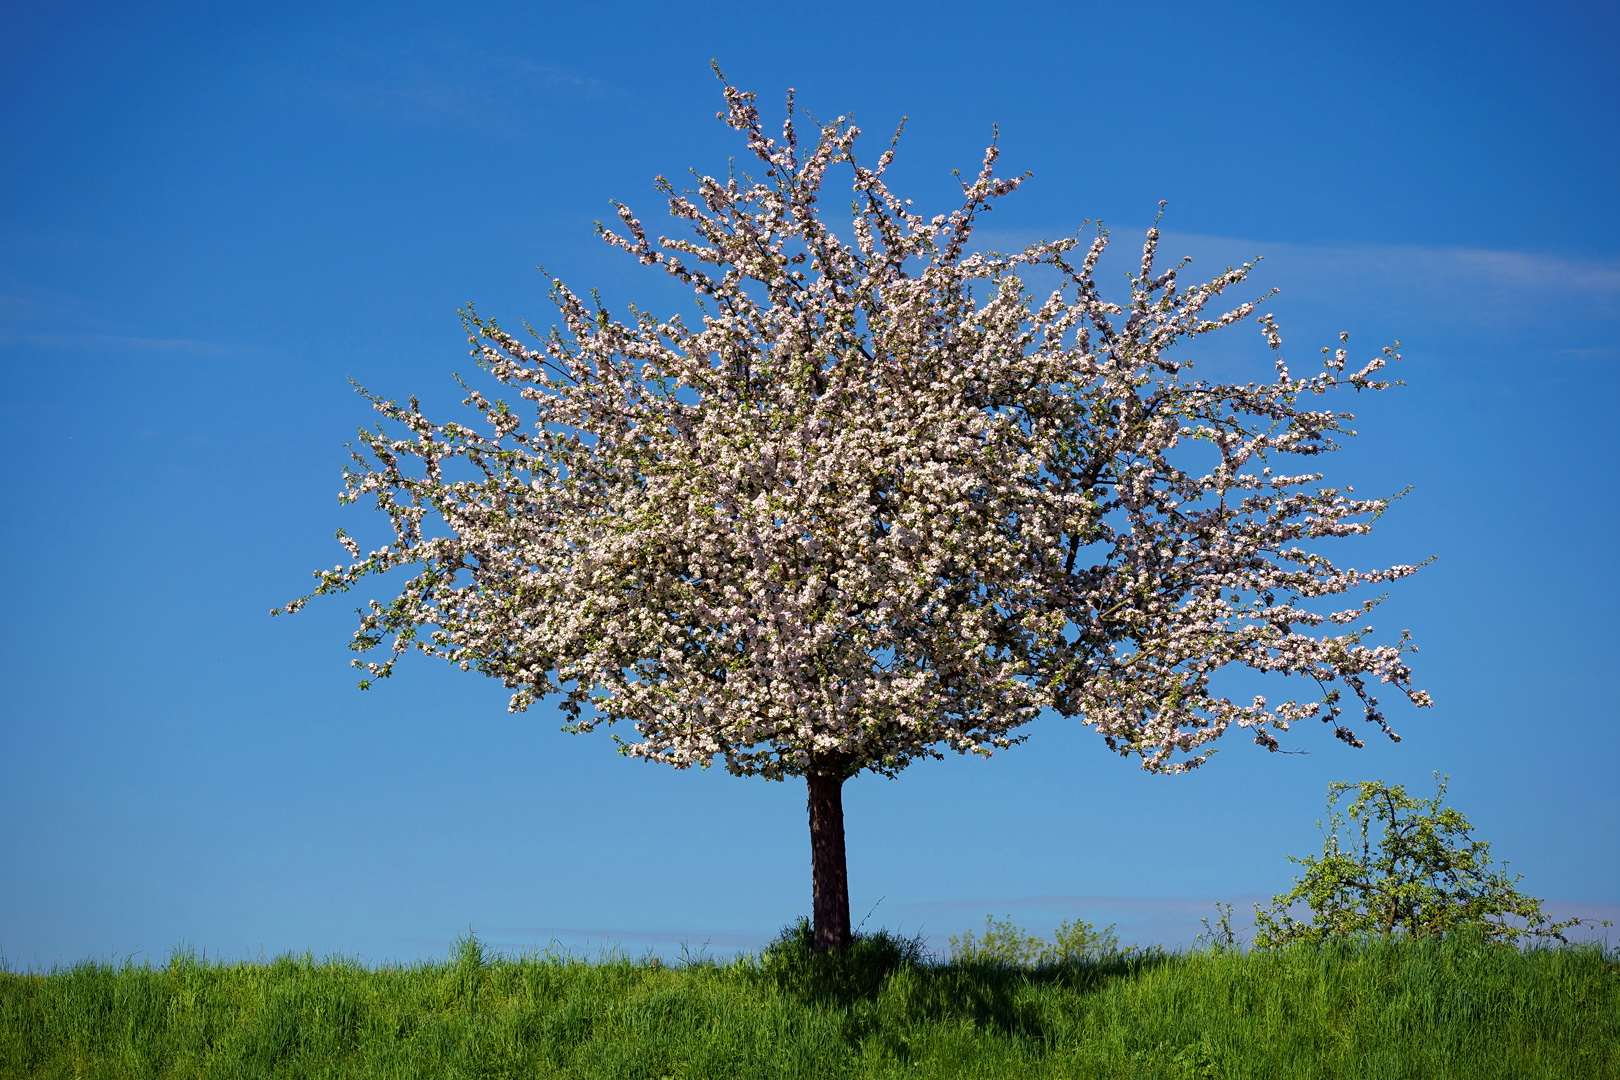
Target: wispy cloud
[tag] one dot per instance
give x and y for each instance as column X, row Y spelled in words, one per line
column 608, row 937
column 39, row 318
column 1582, row 909
column 1452, row 284
column 1160, row 919
column 1073, row 904
column 82, row 341
column 1405, row 284
column 1166, row 920
column 444, row 83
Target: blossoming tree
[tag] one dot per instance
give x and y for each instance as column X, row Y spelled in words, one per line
column 870, row 500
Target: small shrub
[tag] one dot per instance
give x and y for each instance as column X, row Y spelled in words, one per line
column 1004, row 944
column 1405, row 866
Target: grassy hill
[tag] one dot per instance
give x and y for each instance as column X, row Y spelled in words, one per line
column 1435, row 1008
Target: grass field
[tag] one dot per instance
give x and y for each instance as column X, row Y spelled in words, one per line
column 1429, row 1009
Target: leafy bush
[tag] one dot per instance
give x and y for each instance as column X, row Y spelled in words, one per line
column 1404, row 866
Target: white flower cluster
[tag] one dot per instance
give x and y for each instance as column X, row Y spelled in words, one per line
column 877, row 502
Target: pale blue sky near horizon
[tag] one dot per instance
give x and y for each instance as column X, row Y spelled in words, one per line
column 212, row 216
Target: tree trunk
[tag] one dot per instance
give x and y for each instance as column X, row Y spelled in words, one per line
column 829, row 870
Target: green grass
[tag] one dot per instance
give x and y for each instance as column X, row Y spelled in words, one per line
column 1456, row 1007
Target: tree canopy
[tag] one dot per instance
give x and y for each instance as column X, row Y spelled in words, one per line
column 871, row 499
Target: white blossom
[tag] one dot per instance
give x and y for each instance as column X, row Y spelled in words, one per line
column 874, row 501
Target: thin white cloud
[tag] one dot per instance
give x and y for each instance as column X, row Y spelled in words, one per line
column 1405, row 284
column 1172, row 920
column 1489, row 288
column 611, row 936
column 80, row 341
column 445, row 83
column 1582, row 909
column 35, row 317
column 1077, row 905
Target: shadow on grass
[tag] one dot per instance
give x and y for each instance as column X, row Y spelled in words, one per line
column 882, row 979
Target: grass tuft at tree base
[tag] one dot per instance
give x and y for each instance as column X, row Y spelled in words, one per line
column 1453, row 1006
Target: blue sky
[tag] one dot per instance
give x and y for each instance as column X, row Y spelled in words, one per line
column 212, row 215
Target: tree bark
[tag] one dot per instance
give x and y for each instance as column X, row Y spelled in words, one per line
column 829, row 870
